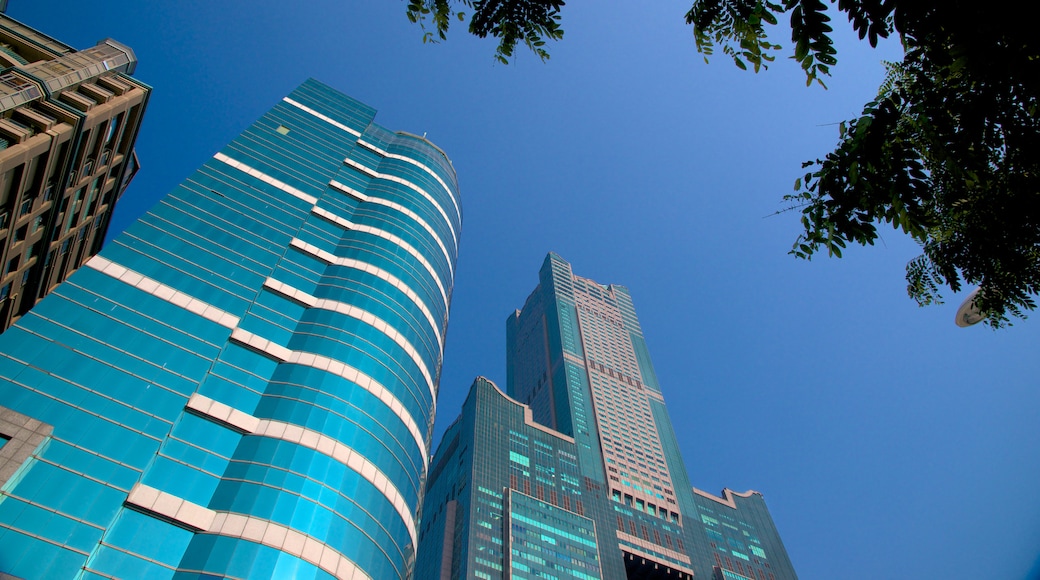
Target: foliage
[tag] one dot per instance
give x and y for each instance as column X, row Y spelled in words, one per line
column 510, row 21
column 947, row 152
column 927, row 159
column 740, row 28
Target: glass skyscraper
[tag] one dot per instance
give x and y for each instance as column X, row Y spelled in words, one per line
column 243, row 382
column 577, row 473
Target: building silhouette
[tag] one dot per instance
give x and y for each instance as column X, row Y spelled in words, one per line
column 68, row 123
column 576, row 473
column 243, row 382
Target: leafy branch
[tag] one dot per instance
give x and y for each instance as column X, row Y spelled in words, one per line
column 512, row 22
column 946, row 153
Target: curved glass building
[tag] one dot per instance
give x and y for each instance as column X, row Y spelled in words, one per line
column 242, row 383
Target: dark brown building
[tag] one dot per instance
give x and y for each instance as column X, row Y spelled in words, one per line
column 68, row 123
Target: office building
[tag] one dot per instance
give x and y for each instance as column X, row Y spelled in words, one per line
column 68, row 123
column 243, row 382
column 577, row 473
column 505, row 496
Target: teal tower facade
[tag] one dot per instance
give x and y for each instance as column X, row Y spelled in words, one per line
column 575, row 471
column 243, row 383
column 506, row 498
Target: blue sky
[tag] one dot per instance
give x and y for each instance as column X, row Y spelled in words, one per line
column 888, row 442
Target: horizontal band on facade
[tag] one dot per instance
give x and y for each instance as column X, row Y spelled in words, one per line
column 728, row 501
column 284, row 355
column 162, row 291
column 377, row 150
column 397, row 241
column 388, row 155
column 262, row 531
column 351, row 458
column 325, row 118
column 349, row 191
column 265, row 178
column 352, row 311
column 330, row 258
column 634, row 543
column 377, row 175
column 396, row 206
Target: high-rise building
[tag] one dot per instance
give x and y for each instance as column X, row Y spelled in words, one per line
column 68, row 123
column 242, row 383
column 506, row 498
column 577, row 473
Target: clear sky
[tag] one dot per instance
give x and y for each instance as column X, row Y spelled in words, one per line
column 887, row 442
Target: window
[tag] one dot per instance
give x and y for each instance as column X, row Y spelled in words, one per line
column 521, row 459
column 92, row 198
column 12, row 182
column 113, row 125
column 3, row 439
column 282, row 130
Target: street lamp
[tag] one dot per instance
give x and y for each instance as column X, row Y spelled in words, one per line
column 968, row 313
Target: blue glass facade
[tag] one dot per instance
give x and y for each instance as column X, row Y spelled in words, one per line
column 581, row 384
column 740, row 535
column 506, row 498
column 243, row 383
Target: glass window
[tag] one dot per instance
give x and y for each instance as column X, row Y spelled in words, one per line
column 112, row 126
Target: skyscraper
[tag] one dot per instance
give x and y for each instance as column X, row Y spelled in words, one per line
column 584, row 478
column 243, row 382
column 506, row 498
column 68, row 124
